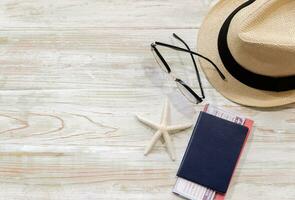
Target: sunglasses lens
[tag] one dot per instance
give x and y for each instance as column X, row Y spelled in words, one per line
column 159, row 62
column 187, row 93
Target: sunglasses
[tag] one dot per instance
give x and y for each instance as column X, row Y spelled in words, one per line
column 186, row 90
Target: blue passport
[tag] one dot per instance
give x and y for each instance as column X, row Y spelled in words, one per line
column 212, row 152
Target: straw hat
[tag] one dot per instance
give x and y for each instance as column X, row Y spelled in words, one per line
column 253, row 44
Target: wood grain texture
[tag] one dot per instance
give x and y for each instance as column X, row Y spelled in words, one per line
column 72, row 75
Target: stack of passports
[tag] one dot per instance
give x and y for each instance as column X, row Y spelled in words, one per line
column 213, row 152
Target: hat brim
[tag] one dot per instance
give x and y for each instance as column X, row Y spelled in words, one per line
column 231, row 88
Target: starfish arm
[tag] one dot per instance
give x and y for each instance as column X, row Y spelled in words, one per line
column 147, row 122
column 165, row 113
column 169, row 145
column 177, row 128
column 152, row 143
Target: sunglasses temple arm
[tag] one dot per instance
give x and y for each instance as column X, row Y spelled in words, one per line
column 194, row 62
column 194, row 53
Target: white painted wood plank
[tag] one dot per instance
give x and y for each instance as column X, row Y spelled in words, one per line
column 102, row 13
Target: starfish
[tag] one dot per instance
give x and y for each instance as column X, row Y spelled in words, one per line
column 163, row 130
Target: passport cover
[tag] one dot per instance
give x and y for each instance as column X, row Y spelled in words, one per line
column 248, row 123
column 212, row 152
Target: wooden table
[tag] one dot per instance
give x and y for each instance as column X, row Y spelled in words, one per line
column 72, row 75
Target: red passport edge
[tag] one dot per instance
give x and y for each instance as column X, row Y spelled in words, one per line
column 249, row 124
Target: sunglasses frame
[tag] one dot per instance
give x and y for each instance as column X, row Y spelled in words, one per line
column 179, row 81
column 192, row 53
